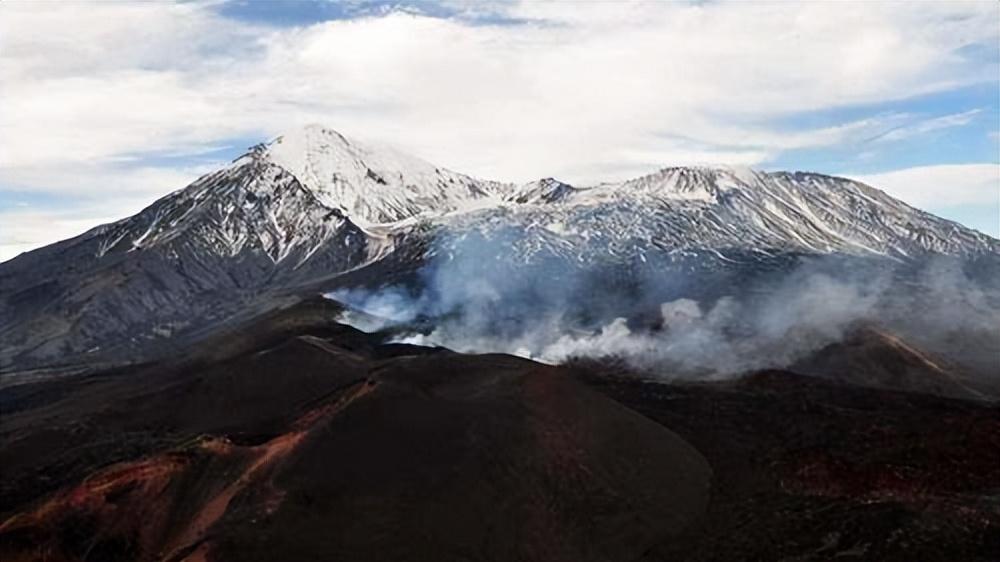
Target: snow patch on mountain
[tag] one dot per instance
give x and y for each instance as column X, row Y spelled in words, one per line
column 375, row 185
column 674, row 209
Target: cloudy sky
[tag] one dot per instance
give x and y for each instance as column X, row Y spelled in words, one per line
column 105, row 107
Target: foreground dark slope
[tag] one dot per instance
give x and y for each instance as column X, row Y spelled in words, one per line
column 804, row 469
column 319, row 443
column 293, row 437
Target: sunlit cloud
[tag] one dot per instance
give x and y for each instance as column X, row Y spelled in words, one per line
column 506, row 90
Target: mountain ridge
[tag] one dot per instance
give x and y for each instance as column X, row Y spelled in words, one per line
column 312, row 205
column 340, row 173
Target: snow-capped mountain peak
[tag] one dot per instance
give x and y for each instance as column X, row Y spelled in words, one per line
column 680, row 208
column 545, row 190
column 694, row 183
column 373, row 184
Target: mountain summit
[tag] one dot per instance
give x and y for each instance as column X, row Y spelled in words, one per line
column 373, row 184
column 714, row 207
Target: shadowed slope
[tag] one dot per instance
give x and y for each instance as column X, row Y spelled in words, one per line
column 871, row 357
column 807, row 469
column 325, row 442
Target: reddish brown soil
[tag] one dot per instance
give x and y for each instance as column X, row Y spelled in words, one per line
column 322, row 445
column 298, row 439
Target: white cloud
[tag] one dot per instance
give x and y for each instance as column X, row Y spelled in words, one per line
column 950, row 185
column 600, row 91
column 106, row 180
column 85, row 82
column 925, row 126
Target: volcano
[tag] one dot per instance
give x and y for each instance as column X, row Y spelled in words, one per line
column 332, row 349
column 312, row 211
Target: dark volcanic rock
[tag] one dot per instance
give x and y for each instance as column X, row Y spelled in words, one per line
column 293, row 437
column 871, row 357
column 806, row 469
column 313, row 446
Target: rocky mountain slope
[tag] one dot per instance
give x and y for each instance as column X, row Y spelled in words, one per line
column 289, row 217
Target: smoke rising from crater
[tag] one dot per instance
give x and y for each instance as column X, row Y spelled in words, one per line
column 663, row 315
